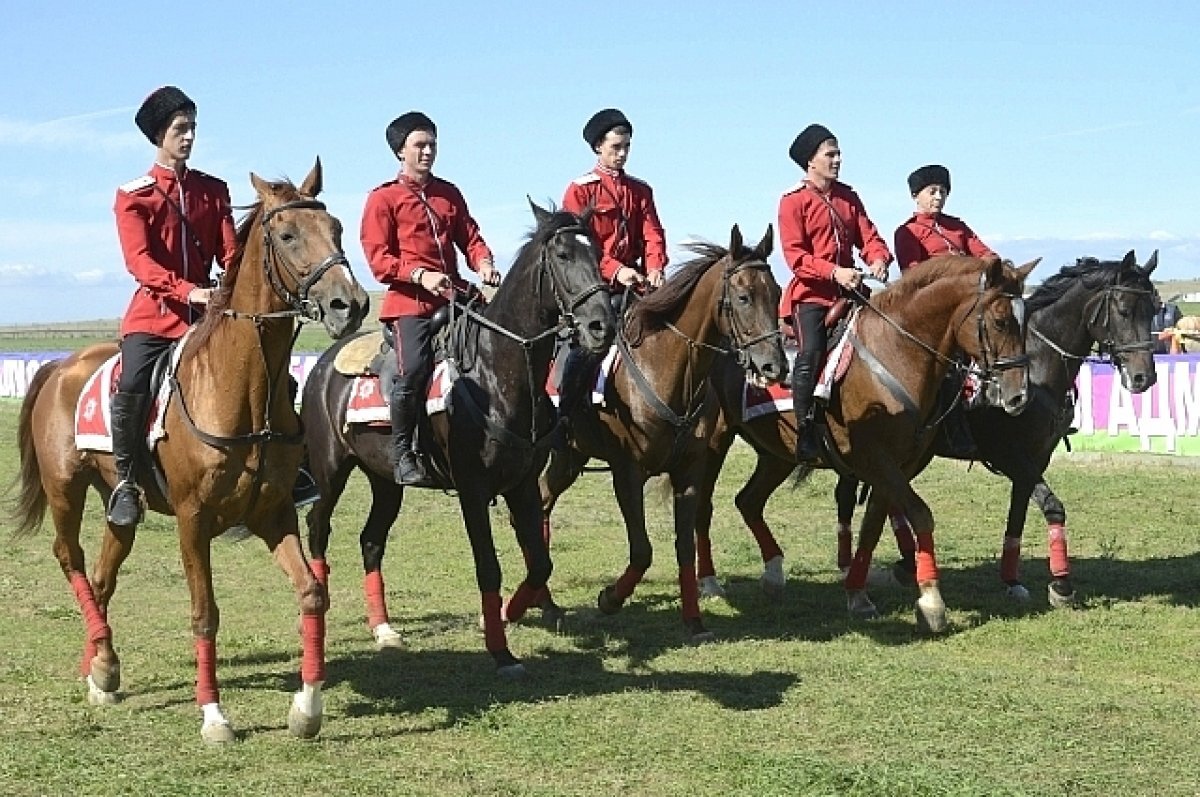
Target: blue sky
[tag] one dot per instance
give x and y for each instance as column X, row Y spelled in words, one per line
column 1069, row 128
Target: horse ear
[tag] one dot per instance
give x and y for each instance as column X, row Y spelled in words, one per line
column 1129, row 262
column 312, row 184
column 539, row 213
column 735, row 241
column 1024, row 270
column 1151, row 264
column 261, row 187
column 766, row 245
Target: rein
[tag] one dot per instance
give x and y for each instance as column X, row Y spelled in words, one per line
column 299, row 307
column 566, row 327
column 989, row 369
column 1108, row 345
column 740, row 349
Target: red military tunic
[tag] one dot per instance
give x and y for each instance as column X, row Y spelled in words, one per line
column 928, row 235
column 406, row 226
column 167, row 256
column 624, row 220
column 815, row 241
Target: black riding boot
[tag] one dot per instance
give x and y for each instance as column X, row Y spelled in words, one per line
column 405, row 411
column 808, row 447
column 958, row 433
column 573, row 389
column 128, row 432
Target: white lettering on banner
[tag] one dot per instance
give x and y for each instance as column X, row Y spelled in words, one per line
column 1168, row 411
column 1084, row 421
column 1186, row 399
column 17, row 372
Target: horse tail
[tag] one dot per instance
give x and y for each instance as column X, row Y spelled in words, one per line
column 30, row 506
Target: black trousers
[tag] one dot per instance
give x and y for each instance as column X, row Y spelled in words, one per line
column 811, row 340
column 414, row 352
column 139, row 352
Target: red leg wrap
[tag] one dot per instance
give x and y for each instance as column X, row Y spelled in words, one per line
column 765, row 539
column 376, row 605
column 927, row 569
column 95, row 626
column 521, row 600
column 1060, row 562
column 1010, row 559
column 206, row 671
column 628, row 582
column 856, row 578
column 493, row 628
column 320, row 570
column 312, row 636
column 689, row 592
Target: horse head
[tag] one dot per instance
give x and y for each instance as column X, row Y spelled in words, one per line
column 1121, row 319
column 996, row 339
column 748, row 309
column 303, row 255
column 568, row 257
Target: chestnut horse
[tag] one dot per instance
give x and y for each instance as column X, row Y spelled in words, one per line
column 232, row 447
column 880, row 416
column 658, row 410
column 495, row 435
column 1103, row 304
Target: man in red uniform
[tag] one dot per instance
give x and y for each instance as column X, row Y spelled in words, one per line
column 930, row 232
column 173, row 223
column 633, row 249
column 821, row 223
column 410, row 228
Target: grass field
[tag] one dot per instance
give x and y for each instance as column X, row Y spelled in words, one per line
column 794, row 698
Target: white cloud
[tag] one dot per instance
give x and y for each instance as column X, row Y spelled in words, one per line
column 75, row 132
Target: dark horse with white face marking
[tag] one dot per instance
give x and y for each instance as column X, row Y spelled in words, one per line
column 1106, row 305
column 232, row 446
column 495, row 435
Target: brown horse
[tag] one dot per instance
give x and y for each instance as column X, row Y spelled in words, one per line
column 879, row 418
column 232, row 447
column 658, row 411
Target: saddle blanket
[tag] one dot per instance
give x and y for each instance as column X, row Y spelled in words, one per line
column 368, row 403
column 757, row 401
column 93, row 411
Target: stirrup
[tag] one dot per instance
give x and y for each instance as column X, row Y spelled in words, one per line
column 305, row 491
column 410, row 471
column 118, row 512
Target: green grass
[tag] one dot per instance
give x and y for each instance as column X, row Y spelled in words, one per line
column 795, row 698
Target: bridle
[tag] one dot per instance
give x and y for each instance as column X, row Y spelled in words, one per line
column 299, row 306
column 1103, row 305
column 987, row 369
column 567, row 327
column 740, row 339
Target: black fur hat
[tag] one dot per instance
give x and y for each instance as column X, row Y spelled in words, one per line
column 401, row 126
column 933, row 174
column 807, row 144
column 159, row 108
column 601, row 122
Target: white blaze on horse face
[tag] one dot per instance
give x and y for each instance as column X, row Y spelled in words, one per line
column 582, row 239
column 349, row 274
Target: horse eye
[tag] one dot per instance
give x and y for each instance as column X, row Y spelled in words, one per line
column 287, row 237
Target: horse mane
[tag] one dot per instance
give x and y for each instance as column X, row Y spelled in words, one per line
column 928, row 273
column 221, row 297
column 649, row 313
column 1091, row 271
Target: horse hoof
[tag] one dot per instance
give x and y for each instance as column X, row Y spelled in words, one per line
column 773, row 580
column 607, row 602
column 104, row 674
column 99, row 697
column 931, row 612
column 508, row 666
column 387, row 638
column 710, row 588
column 1017, row 592
column 858, row 603
column 217, row 733
column 882, row 578
column 1061, row 600
column 301, row 725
